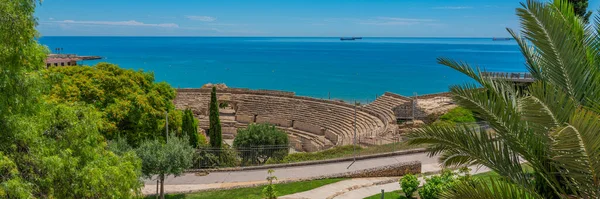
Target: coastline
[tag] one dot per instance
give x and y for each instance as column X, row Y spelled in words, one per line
column 323, row 68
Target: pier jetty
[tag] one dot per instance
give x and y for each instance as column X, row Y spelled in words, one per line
column 67, row 59
column 513, row 77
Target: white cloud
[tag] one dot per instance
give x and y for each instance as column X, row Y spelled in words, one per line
column 118, row 23
column 201, row 18
column 405, row 19
column 50, row 18
column 452, row 7
column 226, row 24
column 219, row 30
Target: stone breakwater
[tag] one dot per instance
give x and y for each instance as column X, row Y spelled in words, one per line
column 312, row 124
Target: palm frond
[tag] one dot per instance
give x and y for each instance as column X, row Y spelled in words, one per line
column 464, row 145
column 559, row 39
column 577, row 151
column 531, row 56
column 553, row 101
column 535, row 111
column 495, row 102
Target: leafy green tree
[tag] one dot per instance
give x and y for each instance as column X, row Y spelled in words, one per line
column 552, row 125
column 132, row 105
column 580, row 7
column 214, row 131
column 119, row 146
column 49, row 150
column 259, row 142
column 409, row 184
column 163, row 159
column 20, row 57
column 190, row 128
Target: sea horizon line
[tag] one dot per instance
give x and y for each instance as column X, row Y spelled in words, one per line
column 407, row 37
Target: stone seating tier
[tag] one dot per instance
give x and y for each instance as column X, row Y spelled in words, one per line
column 327, row 120
column 305, row 112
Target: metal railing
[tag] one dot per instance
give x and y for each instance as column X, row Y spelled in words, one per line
column 207, row 157
column 522, row 77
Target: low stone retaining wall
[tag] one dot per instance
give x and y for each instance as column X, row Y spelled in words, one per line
column 305, row 163
column 394, row 170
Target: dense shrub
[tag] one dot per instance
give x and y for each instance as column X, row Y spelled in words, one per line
column 210, row 158
column 409, row 184
column 259, row 142
column 456, row 115
column 202, row 142
column 437, row 184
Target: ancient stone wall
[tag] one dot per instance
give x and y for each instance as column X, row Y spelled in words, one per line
column 397, row 96
column 444, row 94
column 246, row 119
column 317, row 122
column 323, row 121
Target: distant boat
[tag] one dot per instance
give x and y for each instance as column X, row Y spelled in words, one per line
column 349, row 38
column 501, row 38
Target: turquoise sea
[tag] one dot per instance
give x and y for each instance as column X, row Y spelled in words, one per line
column 348, row 70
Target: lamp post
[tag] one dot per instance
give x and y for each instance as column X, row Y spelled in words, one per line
column 167, row 128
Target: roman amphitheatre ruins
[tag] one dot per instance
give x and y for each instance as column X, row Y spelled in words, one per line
column 313, row 124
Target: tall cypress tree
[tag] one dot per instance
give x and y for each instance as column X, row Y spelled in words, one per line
column 214, row 130
column 190, row 127
column 580, row 7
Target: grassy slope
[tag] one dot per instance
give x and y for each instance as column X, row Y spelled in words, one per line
column 347, row 151
column 254, row 192
column 390, row 195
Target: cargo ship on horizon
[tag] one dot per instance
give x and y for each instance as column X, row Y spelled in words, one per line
column 349, row 38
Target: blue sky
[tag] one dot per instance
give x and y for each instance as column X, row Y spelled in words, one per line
column 368, row 18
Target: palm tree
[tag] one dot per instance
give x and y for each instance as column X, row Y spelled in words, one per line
column 552, row 125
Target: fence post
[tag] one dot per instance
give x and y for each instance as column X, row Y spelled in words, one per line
column 382, row 194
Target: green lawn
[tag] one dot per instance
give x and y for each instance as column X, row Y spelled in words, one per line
column 347, row 151
column 391, row 195
column 254, row 192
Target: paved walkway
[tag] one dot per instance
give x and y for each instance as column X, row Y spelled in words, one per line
column 190, row 182
column 332, row 190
